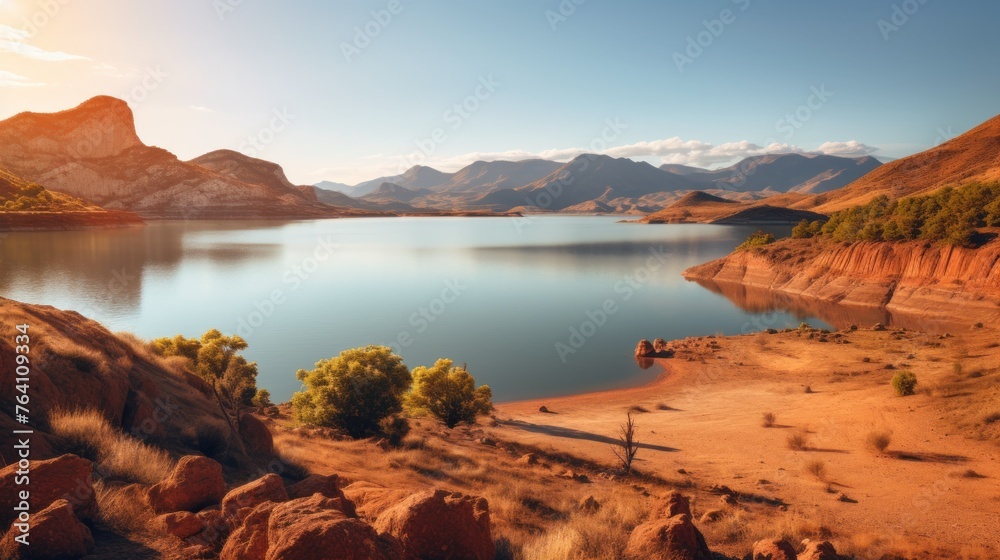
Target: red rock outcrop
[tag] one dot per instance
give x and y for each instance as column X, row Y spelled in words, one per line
column 931, row 281
column 195, row 482
column 440, row 525
column 66, row 477
column 239, row 502
column 668, row 535
column 56, row 534
column 774, row 549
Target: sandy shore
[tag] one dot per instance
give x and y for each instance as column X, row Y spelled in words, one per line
column 936, row 485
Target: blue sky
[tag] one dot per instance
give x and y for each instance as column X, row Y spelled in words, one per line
column 543, row 77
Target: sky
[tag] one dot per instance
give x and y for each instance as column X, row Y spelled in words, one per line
column 351, row 90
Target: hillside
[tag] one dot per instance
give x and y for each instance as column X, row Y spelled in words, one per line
column 92, row 152
column 935, row 282
column 704, row 208
column 973, row 156
column 28, row 206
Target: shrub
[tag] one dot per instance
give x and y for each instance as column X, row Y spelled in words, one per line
column 395, row 429
column 353, row 391
column 216, row 359
column 817, row 468
column 757, row 239
column 879, row 440
column 905, row 383
column 262, row 399
column 449, row 393
column 806, row 229
column 768, row 419
column 798, row 441
column 627, row 446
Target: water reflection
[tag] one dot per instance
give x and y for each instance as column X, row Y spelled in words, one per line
column 760, row 300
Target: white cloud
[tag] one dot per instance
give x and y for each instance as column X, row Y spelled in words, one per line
column 12, row 41
column 852, row 148
column 12, row 80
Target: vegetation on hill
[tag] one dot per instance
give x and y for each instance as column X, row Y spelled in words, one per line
column 18, row 195
column 449, row 393
column 757, row 239
column 216, row 359
column 951, row 215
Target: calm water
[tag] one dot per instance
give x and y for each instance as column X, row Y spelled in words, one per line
column 546, row 306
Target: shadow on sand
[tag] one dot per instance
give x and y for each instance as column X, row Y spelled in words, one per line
column 558, row 431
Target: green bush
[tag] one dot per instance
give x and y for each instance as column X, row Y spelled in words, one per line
column 262, row 399
column 950, row 215
column 806, row 229
column 757, row 239
column 449, row 393
column 353, row 391
column 905, row 383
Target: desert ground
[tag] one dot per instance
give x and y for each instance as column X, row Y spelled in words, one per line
column 933, row 492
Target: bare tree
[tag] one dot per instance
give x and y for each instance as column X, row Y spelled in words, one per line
column 627, row 446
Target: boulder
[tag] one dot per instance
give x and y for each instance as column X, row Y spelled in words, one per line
column 659, row 345
column 239, row 502
column 821, row 550
column 644, row 348
column 327, row 486
column 249, row 540
column 56, row 534
column 440, row 525
column 256, row 436
column 371, row 499
column 314, row 529
column 528, row 459
column 674, row 538
column 673, row 504
column 181, row 524
column 67, row 477
column 712, row 515
column 774, row 549
column 194, row 483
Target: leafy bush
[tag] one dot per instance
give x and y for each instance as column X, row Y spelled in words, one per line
column 757, row 239
column 449, row 393
column 262, row 399
column 905, row 383
column 950, row 215
column 353, row 391
column 216, row 359
column 806, row 229
column 395, row 429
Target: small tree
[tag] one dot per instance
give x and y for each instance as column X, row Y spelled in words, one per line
column 216, row 359
column 262, row 399
column 905, row 383
column 449, row 393
column 627, row 446
column 353, row 391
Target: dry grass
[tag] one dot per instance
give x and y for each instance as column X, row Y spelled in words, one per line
column 768, row 419
column 118, row 456
column 598, row 536
column 878, row 440
column 118, row 508
column 748, row 526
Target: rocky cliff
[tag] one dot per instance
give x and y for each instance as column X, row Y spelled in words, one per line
column 93, row 152
column 930, row 281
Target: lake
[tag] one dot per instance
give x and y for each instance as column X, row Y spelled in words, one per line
column 535, row 307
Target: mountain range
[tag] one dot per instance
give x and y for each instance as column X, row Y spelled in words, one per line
column 92, row 152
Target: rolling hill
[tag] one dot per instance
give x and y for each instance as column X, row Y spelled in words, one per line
column 973, row 156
